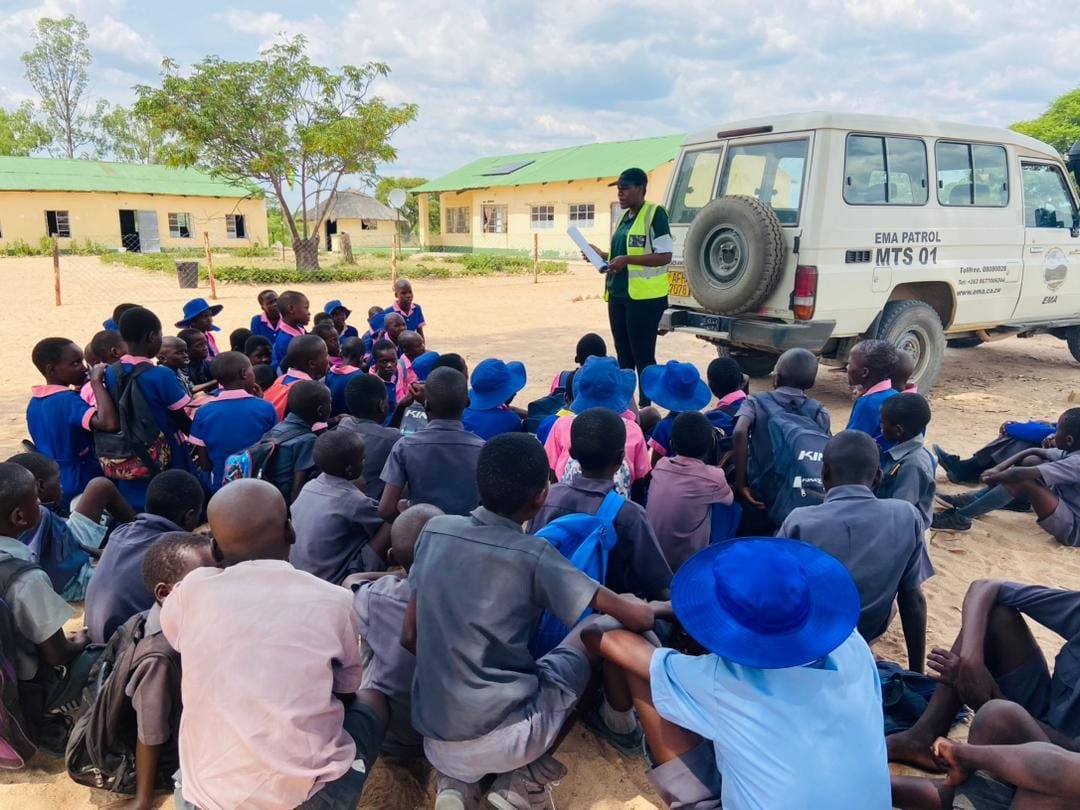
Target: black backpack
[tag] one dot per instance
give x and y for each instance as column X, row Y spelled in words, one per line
column 16, row 733
column 139, row 450
column 258, row 460
column 101, row 749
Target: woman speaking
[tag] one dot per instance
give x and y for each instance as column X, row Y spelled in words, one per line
column 637, row 282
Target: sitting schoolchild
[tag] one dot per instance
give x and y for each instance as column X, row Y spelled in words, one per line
column 330, row 337
column 338, row 528
column 296, row 695
column 365, row 398
column 374, row 322
column 384, row 366
column 174, row 503
column 292, row 464
column 380, row 600
column 589, row 345
column 1012, row 438
column 174, row 356
column 259, row 350
column 729, row 385
column 198, row 368
column 482, row 702
column 871, row 365
column 438, row 464
column 339, row 316
column 199, row 315
column 685, row 492
column 494, row 385
column 393, row 325
column 339, row 376
column 231, row 421
column 907, row 468
column 105, row 347
column 295, row 311
column 902, row 371
column 238, row 339
column 308, row 359
column 677, row 387
column 880, row 542
column 137, row 710
column 265, row 377
column 266, row 322
column 784, row 707
column 60, row 421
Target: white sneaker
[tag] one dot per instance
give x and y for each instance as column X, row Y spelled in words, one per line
column 453, row 794
column 527, row 788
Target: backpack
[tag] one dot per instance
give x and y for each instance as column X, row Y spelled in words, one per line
column 139, row 450
column 256, row 461
column 101, row 749
column 789, row 456
column 16, row 743
column 540, row 409
column 586, row 541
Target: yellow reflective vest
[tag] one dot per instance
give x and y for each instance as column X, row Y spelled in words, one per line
column 643, row 282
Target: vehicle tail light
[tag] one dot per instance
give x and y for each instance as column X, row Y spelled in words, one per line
column 804, row 298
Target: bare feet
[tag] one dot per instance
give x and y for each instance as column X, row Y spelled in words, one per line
column 910, row 749
column 945, row 751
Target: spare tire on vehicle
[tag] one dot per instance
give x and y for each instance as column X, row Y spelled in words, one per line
column 734, row 253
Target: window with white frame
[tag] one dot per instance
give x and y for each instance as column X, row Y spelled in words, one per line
column 457, row 219
column 494, row 218
column 58, row 224
column 180, row 226
column 582, row 214
column 542, row 216
column 235, row 226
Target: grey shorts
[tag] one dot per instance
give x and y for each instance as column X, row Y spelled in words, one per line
column 528, row 732
column 1029, row 685
column 689, row 782
column 1062, row 525
column 982, row 792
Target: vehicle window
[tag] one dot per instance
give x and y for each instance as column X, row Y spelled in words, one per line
column 972, row 174
column 1047, row 202
column 694, row 185
column 772, row 172
column 885, row 171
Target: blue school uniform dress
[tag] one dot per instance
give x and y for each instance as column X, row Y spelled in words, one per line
column 391, row 395
column 227, row 424
column 164, row 395
column 487, row 423
column 59, row 424
column 261, row 326
column 866, row 412
column 348, row 332
column 337, row 380
column 281, row 343
column 414, row 320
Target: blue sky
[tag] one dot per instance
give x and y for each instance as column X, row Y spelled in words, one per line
column 499, row 77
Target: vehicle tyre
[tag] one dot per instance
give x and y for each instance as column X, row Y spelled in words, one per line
column 914, row 327
column 964, row 343
column 734, row 254
column 753, row 364
column 1072, row 338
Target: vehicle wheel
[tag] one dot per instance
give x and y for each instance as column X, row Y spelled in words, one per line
column 915, row 328
column 753, row 364
column 734, row 254
column 1072, row 338
column 964, row 343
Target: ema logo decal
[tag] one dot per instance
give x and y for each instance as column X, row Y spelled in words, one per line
column 1056, row 267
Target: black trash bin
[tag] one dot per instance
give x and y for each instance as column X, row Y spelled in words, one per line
column 187, row 273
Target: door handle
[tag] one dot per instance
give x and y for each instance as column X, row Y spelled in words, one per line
column 1035, row 250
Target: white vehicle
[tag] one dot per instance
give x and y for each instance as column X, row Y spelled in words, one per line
column 819, row 230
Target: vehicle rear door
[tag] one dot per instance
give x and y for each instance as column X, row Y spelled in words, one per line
column 1051, row 283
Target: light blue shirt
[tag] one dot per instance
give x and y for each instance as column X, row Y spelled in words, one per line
column 800, row 738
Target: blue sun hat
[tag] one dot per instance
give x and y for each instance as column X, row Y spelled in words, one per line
column 765, row 602
column 196, row 307
column 336, row 304
column 494, row 382
column 423, row 365
column 675, row 386
column 600, row 383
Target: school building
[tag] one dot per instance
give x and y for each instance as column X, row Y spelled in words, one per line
column 367, row 221
column 137, row 207
column 500, row 203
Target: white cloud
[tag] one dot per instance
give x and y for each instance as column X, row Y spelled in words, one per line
column 110, row 35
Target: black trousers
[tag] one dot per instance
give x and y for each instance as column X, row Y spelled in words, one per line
column 633, row 325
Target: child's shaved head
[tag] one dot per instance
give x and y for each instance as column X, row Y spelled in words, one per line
column 309, row 400
column 340, row 453
column 851, row 457
column 105, row 343
column 19, row 510
column 796, row 368
column 352, row 351
column 447, row 393
column 511, row 471
column 250, row 521
column 597, row 439
column 229, row 368
column 411, row 343
column 40, row 465
column 407, row 528
column 171, row 557
column 307, row 353
column 902, row 371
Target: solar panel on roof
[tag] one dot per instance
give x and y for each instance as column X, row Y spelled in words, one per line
column 508, row 168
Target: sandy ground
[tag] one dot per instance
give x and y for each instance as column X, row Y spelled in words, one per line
column 539, row 324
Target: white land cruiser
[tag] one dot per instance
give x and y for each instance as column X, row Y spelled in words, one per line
column 818, row 230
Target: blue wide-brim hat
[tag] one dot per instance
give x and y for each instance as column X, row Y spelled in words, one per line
column 194, row 308
column 494, row 382
column 675, row 386
column 600, row 383
column 336, row 304
column 423, row 365
column 766, row 602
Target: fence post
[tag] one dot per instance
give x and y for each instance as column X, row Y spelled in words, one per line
column 210, row 265
column 536, row 258
column 56, row 268
column 393, row 259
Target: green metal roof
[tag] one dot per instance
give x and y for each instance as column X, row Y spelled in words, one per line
column 588, row 162
column 47, row 174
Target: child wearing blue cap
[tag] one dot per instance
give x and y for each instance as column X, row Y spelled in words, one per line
column 200, row 315
column 339, row 314
column 677, row 387
column 784, row 707
column 494, row 385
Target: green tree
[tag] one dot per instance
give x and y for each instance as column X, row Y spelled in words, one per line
column 410, row 212
column 280, row 120
column 56, row 67
column 1059, row 126
column 20, row 132
column 122, row 134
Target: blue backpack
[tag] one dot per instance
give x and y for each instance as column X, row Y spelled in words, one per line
column 586, row 541
column 789, row 453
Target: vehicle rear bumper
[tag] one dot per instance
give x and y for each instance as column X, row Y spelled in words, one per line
column 766, row 336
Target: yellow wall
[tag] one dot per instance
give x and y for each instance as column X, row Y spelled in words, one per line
column 519, row 201
column 95, row 216
column 382, row 235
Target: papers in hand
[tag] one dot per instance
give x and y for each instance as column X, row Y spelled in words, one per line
column 586, row 248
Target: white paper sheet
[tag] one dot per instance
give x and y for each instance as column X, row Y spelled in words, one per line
column 590, row 254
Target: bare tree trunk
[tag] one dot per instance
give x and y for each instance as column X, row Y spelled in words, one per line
column 346, row 248
column 307, row 253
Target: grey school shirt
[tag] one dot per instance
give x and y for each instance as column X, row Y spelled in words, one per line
column 1057, row 610
column 880, row 542
column 334, row 521
column 481, row 585
column 785, row 395
column 439, row 465
column 38, row 611
column 377, row 443
column 1063, row 477
column 636, row 563
column 907, row 474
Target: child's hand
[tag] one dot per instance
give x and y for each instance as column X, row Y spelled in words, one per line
column 943, row 665
column 748, row 496
column 662, row 610
column 97, row 373
column 1049, row 442
column 417, row 392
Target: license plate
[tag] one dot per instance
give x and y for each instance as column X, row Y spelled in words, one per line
column 677, row 284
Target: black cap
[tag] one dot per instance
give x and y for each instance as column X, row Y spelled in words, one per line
column 632, row 177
